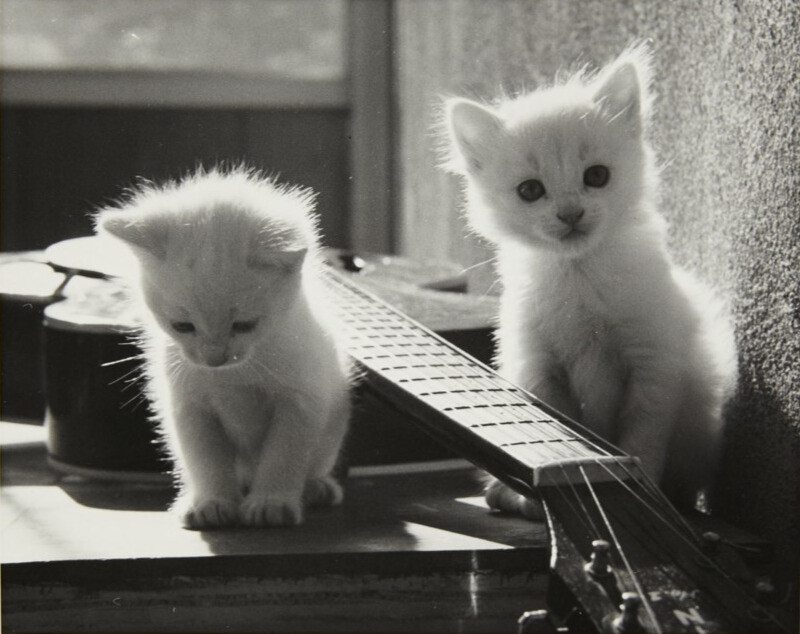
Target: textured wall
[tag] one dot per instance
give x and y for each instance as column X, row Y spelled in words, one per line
column 727, row 128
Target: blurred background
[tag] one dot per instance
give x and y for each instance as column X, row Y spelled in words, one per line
column 343, row 96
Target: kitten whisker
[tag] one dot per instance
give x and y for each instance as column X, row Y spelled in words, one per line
column 479, row 264
column 126, row 377
column 136, row 357
column 263, row 369
column 133, row 382
column 489, row 290
column 136, row 397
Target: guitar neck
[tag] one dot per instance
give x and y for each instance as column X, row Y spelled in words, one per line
column 464, row 403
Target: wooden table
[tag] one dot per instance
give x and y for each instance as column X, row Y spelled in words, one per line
column 415, row 550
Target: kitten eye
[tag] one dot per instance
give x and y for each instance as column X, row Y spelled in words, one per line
column 243, row 327
column 183, row 327
column 530, row 190
column 596, row 176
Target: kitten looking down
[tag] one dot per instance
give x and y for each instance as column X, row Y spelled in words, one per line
column 247, row 379
column 595, row 318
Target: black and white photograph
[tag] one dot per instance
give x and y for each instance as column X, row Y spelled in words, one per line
column 400, row 316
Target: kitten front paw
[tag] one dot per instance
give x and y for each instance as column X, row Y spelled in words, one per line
column 323, row 491
column 271, row 510
column 502, row 498
column 205, row 514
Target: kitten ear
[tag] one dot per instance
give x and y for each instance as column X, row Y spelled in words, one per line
column 142, row 232
column 474, row 130
column 621, row 93
column 288, row 261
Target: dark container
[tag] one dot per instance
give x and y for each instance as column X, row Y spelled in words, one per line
column 98, row 419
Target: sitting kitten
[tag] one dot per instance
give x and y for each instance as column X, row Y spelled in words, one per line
column 595, row 318
column 245, row 372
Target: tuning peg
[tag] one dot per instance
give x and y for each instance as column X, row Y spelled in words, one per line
column 628, row 621
column 599, row 566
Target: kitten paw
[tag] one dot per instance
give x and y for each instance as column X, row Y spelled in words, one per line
column 204, row 514
column 323, row 491
column 502, row 498
column 271, row 510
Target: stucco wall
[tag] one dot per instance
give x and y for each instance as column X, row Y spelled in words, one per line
column 727, row 128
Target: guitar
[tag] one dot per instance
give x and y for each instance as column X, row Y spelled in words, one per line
column 622, row 558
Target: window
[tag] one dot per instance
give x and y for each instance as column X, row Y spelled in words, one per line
column 223, row 51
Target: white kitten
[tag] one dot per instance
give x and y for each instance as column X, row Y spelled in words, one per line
column 245, row 373
column 595, row 318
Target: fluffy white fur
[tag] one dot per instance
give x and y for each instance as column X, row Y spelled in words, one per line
column 595, row 318
column 245, row 373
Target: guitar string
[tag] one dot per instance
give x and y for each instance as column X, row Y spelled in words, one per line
column 640, row 591
column 700, row 558
column 617, row 543
column 691, row 541
column 590, row 527
column 436, row 372
column 650, row 489
column 666, row 569
column 588, row 515
column 489, row 376
column 656, row 501
column 658, row 497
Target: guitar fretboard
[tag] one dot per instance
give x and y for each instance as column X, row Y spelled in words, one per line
column 457, row 398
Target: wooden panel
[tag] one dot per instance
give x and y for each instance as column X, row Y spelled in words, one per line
column 58, row 164
column 64, row 162
column 307, row 147
column 170, row 142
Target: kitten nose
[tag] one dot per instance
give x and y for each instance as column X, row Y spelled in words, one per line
column 215, row 357
column 570, row 215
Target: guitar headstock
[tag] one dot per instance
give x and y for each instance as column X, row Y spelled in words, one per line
column 624, row 560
